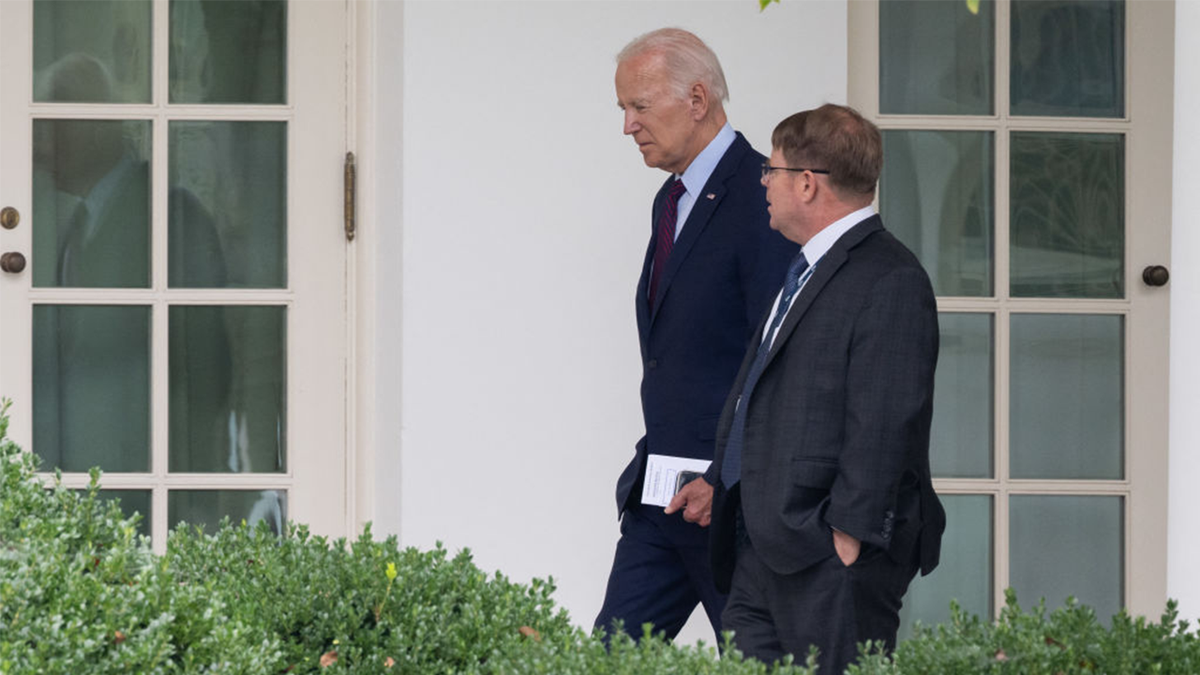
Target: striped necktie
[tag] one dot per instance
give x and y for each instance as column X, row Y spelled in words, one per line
column 731, row 465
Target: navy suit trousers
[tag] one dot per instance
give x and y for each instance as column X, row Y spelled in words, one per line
column 655, row 579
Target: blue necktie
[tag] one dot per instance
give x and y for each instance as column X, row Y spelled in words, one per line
column 731, row 465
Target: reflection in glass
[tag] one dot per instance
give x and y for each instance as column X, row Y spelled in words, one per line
column 227, row 205
column 1067, row 407
column 91, row 51
column 936, row 196
column 228, row 51
column 91, row 203
column 91, row 387
column 965, row 571
column 1068, row 546
column 1067, row 215
column 961, row 438
column 228, row 402
column 936, row 57
column 1068, row 58
column 207, row 507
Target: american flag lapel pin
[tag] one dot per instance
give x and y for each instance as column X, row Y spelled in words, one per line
column 712, row 195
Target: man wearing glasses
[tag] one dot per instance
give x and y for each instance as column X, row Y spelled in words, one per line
column 824, row 509
column 711, row 266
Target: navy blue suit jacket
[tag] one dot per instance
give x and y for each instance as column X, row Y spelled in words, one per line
column 837, row 428
column 721, row 276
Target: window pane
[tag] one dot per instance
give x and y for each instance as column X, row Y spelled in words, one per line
column 1068, row 546
column 1068, row 58
column 91, row 203
column 91, row 51
column 961, row 439
column 1067, row 405
column 91, row 387
column 227, row 205
column 228, row 389
column 228, row 51
column 965, row 571
column 208, row 507
column 936, row 57
column 133, row 501
column 1068, row 215
column 936, row 195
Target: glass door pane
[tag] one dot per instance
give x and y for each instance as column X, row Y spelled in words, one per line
column 1068, row 58
column 206, row 508
column 1067, row 215
column 91, row 208
column 91, row 51
column 227, row 204
column 964, row 573
column 91, row 387
column 228, row 51
column 960, row 443
column 1067, row 379
column 228, row 389
column 936, row 195
column 936, row 57
column 1068, row 546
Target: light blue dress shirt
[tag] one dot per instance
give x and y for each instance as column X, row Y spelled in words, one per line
column 698, row 172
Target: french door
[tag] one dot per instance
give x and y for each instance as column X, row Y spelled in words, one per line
column 1027, row 151
column 173, row 298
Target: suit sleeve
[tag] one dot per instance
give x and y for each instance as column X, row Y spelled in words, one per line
column 889, row 404
column 763, row 266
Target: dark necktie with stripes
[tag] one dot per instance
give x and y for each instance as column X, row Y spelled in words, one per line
column 731, row 465
column 665, row 239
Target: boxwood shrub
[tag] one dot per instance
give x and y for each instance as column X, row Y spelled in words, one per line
column 81, row 592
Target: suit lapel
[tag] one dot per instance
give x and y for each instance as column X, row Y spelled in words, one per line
column 703, row 207
column 826, row 267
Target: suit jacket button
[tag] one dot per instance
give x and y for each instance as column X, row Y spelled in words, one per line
column 652, row 364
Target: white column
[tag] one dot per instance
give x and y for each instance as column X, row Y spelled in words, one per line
column 1183, row 558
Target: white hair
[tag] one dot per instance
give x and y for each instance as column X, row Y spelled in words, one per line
column 75, row 77
column 687, row 58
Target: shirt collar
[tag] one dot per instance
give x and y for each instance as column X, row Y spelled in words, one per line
column 826, row 238
column 698, row 172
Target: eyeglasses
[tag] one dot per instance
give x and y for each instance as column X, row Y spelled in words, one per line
column 767, row 169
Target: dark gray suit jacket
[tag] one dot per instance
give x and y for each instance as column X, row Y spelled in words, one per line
column 837, row 432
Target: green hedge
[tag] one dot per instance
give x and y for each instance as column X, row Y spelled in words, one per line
column 81, row 592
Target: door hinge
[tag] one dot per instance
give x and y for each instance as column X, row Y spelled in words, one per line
column 349, row 179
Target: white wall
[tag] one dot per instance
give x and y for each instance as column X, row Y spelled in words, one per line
column 1183, row 557
column 512, row 219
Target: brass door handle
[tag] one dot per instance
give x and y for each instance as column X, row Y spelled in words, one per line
column 9, row 217
column 1155, row 275
column 12, row 262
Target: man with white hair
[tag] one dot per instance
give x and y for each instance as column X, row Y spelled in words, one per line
column 711, row 267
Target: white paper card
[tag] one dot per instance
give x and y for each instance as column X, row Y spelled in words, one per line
column 662, row 472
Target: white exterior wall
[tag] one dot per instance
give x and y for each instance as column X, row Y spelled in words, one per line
column 512, row 219
column 1183, row 556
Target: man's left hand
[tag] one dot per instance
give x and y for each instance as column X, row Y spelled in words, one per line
column 695, row 499
column 847, row 547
